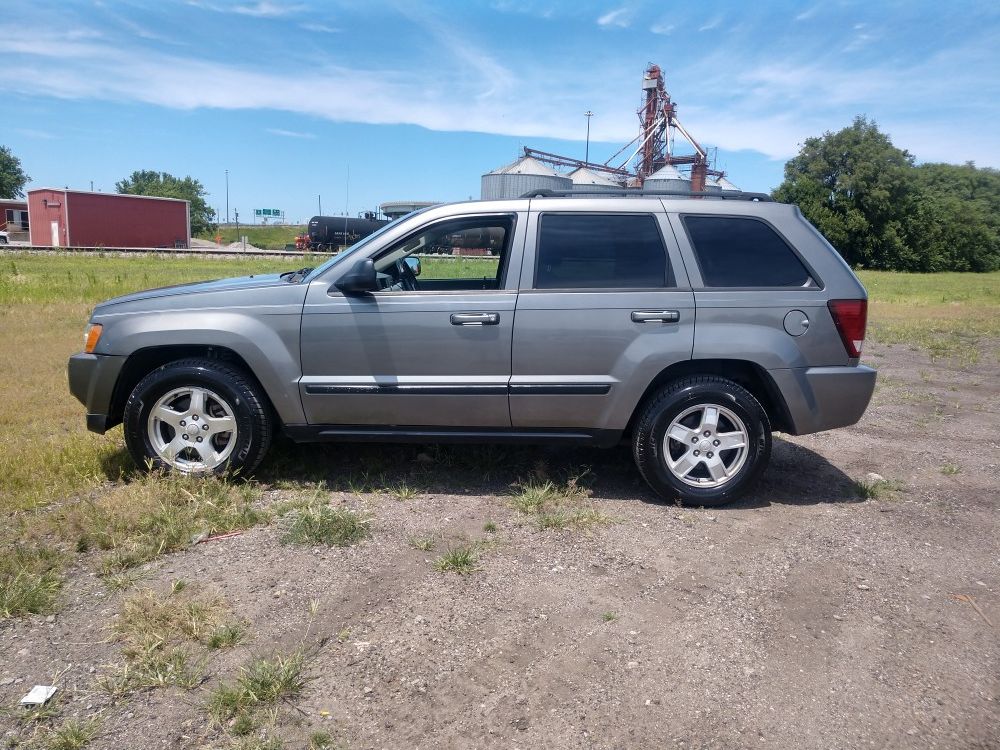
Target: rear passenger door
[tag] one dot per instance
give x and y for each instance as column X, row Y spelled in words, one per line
column 604, row 307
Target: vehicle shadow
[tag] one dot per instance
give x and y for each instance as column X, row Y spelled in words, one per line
column 796, row 475
column 799, row 476
column 118, row 465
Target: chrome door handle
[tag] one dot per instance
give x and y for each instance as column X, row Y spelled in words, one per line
column 475, row 319
column 655, row 316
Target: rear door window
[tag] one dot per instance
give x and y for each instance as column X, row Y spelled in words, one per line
column 743, row 252
column 601, row 251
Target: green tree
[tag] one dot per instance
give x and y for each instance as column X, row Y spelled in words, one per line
column 164, row 185
column 859, row 190
column 12, row 177
column 880, row 211
column 957, row 226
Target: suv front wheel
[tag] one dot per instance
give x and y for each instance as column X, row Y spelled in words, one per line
column 197, row 416
column 703, row 439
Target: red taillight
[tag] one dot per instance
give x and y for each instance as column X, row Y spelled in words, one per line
column 851, row 317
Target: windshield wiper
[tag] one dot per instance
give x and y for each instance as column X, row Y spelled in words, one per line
column 295, row 276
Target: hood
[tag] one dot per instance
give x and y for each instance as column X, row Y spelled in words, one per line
column 200, row 287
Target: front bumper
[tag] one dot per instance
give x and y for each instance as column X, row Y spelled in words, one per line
column 824, row 398
column 92, row 379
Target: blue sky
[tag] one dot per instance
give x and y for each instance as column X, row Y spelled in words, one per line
column 417, row 99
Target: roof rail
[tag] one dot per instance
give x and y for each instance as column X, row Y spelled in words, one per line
column 736, row 195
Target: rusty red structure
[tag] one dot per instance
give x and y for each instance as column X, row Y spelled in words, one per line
column 654, row 146
column 77, row 218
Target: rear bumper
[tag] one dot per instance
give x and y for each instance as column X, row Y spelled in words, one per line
column 824, row 398
column 92, row 379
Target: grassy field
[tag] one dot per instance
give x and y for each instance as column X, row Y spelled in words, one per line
column 266, row 238
column 950, row 315
column 47, row 458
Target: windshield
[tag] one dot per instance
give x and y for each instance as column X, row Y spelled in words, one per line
column 363, row 243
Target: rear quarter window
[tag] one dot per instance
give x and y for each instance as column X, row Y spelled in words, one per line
column 743, row 252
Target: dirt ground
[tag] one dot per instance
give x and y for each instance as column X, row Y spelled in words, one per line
column 801, row 617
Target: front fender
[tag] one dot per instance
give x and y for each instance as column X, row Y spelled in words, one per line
column 267, row 341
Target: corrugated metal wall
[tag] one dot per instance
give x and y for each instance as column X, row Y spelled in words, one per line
column 504, row 186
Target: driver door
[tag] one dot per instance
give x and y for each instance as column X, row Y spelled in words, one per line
column 431, row 347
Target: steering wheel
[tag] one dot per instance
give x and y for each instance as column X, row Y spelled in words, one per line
column 406, row 276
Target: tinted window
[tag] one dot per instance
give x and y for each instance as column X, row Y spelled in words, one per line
column 743, row 252
column 585, row 251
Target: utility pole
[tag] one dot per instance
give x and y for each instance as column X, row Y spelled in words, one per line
column 588, row 114
column 227, row 194
column 347, row 196
column 238, row 225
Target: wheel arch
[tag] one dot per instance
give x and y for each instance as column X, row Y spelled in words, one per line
column 144, row 361
column 748, row 374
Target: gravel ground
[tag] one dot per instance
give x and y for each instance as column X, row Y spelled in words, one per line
column 801, row 617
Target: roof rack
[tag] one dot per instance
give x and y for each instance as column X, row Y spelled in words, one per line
column 736, row 195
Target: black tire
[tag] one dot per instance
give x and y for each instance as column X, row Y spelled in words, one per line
column 254, row 423
column 686, row 394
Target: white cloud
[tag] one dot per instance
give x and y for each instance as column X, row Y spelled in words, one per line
column 808, row 13
column 529, row 8
column 288, row 133
column 259, row 9
column 320, row 28
column 622, row 18
column 734, row 99
column 712, row 23
column 265, row 9
column 662, row 28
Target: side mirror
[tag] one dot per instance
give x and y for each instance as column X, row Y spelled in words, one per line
column 360, row 279
column 414, row 264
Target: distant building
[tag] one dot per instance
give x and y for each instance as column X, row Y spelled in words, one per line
column 77, row 218
column 14, row 218
column 395, row 209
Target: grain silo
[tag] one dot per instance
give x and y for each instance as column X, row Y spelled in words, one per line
column 586, row 180
column 727, row 185
column 524, row 175
column 712, row 186
column 668, row 179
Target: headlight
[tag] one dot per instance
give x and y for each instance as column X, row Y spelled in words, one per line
column 91, row 337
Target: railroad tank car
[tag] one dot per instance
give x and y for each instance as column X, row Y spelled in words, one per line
column 332, row 232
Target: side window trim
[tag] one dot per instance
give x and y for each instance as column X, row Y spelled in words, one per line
column 669, row 278
column 505, row 253
column 817, row 284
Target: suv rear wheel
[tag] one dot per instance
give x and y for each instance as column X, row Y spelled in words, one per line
column 704, row 439
column 197, row 416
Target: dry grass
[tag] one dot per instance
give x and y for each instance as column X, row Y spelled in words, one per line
column 164, row 638
column 29, row 579
column 317, row 523
column 155, row 514
column 250, row 702
column 127, row 525
column 461, row 559
column 557, row 505
column 72, row 734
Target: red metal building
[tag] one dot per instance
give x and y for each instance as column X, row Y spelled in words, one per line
column 77, row 218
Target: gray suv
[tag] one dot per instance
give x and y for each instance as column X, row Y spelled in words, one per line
column 692, row 328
